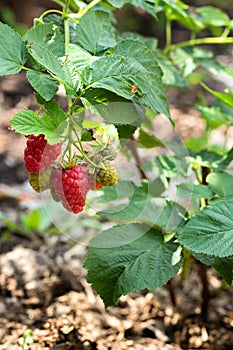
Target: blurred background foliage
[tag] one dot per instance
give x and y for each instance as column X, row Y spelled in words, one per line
column 20, row 14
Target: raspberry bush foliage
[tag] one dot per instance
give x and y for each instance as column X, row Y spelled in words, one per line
column 122, row 79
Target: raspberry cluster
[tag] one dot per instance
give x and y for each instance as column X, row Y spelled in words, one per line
column 68, row 184
column 38, row 154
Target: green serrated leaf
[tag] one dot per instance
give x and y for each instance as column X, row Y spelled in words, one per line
column 224, row 266
column 53, row 64
column 44, row 84
column 147, row 5
column 221, row 183
column 13, row 53
column 98, row 36
column 190, row 190
column 179, row 11
column 49, row 36
column 210, row 231
column 144, row 261
column 212, row 16
column 79, row 57
column 120, row 74
column 141, row 207
column 27, row 122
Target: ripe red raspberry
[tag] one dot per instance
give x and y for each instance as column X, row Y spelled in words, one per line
column 38, row 154
column 71, row 187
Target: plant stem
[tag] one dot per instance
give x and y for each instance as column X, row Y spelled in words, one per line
column 50, row 11
column 66, row 24
column 132, row 147
column 226, row 32
column 171, row 292
column 168, row 34
column 202, row 271
column 88, row 8
column 200, row 41
column 202, row 268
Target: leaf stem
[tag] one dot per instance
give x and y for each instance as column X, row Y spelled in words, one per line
column 66, row 24
column 82, row 12
column 200, row 41
column 50, row 11
column 168, row 34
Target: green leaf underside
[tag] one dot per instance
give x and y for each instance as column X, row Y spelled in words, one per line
column 139, row 51
column 118, row 74
column 221, row 183
column 224, row 266
column 210, row 231
column 190, row 190
column 13, row 52
column 98, row 36
column 148, row 140
column 145, row 262
column 142, row 208
column 111, row 107
column 44, row 84
column 178, row 10
column 79, row 57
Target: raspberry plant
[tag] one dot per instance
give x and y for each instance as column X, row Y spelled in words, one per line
column 123, row 78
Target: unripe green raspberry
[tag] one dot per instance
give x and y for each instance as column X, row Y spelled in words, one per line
column 40, row 181
column 107, row 175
